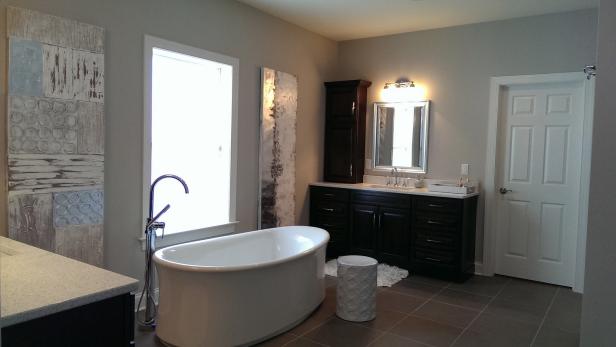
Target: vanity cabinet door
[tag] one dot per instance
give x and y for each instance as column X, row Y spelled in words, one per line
column 363, row 229
column 394, row 225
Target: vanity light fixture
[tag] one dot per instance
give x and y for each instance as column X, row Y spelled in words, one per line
column 405, row 84
column 402, row 91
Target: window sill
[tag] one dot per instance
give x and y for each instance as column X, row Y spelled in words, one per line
column 192, row 235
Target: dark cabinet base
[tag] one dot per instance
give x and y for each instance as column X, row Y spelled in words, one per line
column 448, row 273
column 430, row 236
column 104, row 323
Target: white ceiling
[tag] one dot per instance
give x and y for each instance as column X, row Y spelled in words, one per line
column 353, row 19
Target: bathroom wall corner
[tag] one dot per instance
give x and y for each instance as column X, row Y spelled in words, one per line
column 3, row 128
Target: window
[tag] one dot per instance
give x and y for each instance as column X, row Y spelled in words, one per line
column 189, row 131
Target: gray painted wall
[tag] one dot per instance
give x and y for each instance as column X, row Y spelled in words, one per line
column 223, row 26
column 599, row 301
column 455, row 65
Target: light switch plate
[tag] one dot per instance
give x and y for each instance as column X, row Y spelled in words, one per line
column 464, row 169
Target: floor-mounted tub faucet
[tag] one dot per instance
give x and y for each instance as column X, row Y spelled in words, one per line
column 151, row 226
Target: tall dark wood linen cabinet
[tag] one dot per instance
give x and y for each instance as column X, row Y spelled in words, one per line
column 345, row 131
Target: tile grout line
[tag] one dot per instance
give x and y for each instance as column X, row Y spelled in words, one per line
column 456, row 305
column 480, row 313
column 407, row 315
column 473, row 293
column 382, row 332
column 303, row 336
column 545, row 316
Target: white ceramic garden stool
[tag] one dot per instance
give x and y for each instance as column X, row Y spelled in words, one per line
column 356, row 292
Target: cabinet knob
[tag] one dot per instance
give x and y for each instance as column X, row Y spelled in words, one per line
column 353, row 107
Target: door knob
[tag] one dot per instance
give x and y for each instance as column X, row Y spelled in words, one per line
column 503, row 190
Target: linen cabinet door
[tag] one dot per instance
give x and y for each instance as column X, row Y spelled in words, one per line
column 363, row 229
column 394, row 229
column 339, row 144
column 341, row 103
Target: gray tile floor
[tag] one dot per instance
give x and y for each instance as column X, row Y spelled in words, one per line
column 484, row 311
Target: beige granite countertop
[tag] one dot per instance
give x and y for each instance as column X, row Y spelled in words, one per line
column 381, row 188
column 36, row 283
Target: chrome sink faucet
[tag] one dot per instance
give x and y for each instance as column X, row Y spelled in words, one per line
column 395, row 175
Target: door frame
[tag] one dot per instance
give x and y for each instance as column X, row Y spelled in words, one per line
column 496, row 86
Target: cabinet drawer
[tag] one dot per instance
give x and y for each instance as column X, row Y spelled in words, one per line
column 326, row 221
column 434, row 256
column 382, row 199
column 435, row 240
column 438, row 205
column 325, row 194
column 437, row 221
column 330, row 208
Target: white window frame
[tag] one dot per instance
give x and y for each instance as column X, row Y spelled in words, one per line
column 150, row 43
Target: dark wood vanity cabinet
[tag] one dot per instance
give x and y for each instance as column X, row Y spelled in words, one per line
column 427, row 235
column 380, row 226
column 345, row 128
column 444, row 236
column 329, row 210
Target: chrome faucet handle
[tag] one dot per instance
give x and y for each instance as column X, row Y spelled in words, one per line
column 396, row 177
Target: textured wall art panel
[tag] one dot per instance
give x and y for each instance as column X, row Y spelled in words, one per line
column 277, row 158
column 81, row 242
column 76, row 208
column 57, row 72
column 55, row 126
column 31, row 221
column 56, row 134
column 25, row 67
column 52, row 30
column 88, row 75
column 41, row 173
column 42, row 125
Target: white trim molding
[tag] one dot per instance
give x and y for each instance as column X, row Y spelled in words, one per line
column 192, row 235
column 496, row 85
column 479, row 269
column 151, row 42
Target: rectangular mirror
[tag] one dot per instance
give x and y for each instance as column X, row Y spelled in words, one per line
column 401, row 136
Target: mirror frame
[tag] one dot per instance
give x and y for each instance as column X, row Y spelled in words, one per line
column 423, row 168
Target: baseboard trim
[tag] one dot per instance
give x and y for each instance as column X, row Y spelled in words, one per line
column 479, row 269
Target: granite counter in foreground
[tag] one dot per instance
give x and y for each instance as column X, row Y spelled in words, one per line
column 35, row 283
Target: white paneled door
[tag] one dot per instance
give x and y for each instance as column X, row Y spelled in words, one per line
column 538, row 180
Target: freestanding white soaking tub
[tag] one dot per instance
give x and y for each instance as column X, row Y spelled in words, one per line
column 239, row 289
